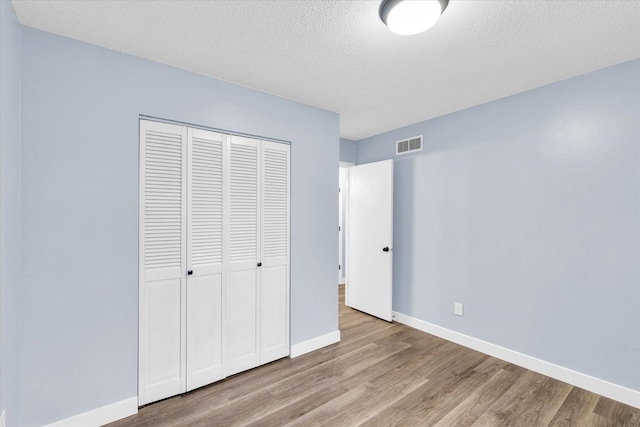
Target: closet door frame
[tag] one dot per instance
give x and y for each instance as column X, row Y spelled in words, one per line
column 181, row 382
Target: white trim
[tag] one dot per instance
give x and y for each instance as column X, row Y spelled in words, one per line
column 342, row 215
column 345, row 200
column 101, row 416
column 314, row 344
column 596, row 385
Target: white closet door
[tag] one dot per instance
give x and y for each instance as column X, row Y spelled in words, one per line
column 162, row 260
column 274, row 283
column 204, row 258
column 243, row 254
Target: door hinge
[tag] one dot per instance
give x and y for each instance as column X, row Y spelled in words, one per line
column 339, row 267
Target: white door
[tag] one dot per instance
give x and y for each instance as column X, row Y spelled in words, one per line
column 244, row 243
column 370, row 233
column 204, row 258
column 162, row 272
column 274, row 272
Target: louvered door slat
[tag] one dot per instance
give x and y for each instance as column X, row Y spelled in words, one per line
column 276, row 202
column 206, row 193
column 163, row 173
column 244, row 203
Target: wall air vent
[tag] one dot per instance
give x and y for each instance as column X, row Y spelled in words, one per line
column 409, row 145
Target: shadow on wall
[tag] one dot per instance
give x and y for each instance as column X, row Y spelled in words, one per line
column 403, row 226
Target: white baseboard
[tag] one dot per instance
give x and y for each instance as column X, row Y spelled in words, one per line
column 315, row 344
column 101, row 416
column 341, row 281
column 613, row 391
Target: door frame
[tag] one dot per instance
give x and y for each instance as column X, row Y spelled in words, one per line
column 343, row 212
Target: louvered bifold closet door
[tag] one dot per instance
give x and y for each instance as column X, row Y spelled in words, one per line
column 204, row 258
column 163, row 165
column 274, row 274
column 243, row 253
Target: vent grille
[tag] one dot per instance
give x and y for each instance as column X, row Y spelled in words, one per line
column 163, row 199
column 276, row 202
column 409, row 145
column 244, row 203
column 206, row 202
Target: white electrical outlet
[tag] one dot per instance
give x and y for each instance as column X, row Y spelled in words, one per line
column 3, row 419
column 457, row 309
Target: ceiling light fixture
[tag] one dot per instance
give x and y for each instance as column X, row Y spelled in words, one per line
column 406, row 17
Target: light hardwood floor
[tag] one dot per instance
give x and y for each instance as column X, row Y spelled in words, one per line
column 387, row 374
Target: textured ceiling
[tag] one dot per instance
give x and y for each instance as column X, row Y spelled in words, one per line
column 338, row 56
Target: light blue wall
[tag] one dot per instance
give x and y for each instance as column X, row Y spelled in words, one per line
column 348, row 151
column 80, row 107
column 9, row 211
column 527, row 210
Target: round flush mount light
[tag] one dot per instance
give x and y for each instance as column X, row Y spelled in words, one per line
column 406, row 17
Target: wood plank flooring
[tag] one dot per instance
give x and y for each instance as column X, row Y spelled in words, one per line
column 387, row 374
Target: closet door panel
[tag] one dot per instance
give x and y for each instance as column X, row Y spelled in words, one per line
column 241, row 328
column 274, row 312
column 244, row 203
column 162, row 315
column 274, row 281
column 204, row 258
column 243, row 219
column 162, row 261
column 204, row 331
